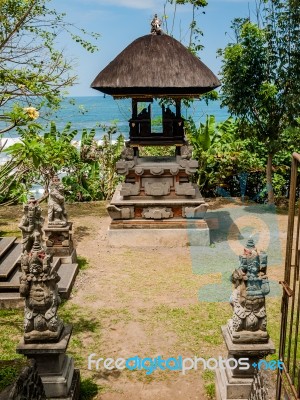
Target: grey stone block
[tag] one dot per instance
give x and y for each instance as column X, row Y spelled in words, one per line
column 130, row 189
column 185, row 189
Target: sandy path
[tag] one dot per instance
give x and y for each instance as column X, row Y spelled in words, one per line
column 133, row 293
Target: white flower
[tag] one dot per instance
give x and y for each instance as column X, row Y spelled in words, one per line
column 32, row 112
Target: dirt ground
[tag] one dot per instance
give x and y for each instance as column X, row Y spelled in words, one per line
column 155, row 301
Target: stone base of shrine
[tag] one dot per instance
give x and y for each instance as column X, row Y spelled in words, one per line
column 167, row 233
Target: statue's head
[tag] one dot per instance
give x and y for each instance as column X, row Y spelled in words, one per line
column 250, row 249
column 56, row 184
column 33, row 210
column 32, row 200
column 237, row 277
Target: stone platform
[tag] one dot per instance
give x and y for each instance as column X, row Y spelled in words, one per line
column 135, row 233
column 147, row 208
column 158, row 221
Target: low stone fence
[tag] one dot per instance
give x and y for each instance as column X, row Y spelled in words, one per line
column 259, row 390
column 26, row 386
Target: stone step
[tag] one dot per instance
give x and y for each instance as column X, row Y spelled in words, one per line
column 12, row 283
column 10, row 261
column 11, row 300
column 5, row 244
column 67, row 273
column 56, row 264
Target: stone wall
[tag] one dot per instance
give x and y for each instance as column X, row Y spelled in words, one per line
column 28, row 385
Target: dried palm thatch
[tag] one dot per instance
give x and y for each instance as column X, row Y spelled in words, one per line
column 156, row 66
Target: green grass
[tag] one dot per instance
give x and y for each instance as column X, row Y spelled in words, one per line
column 82, row 263
column 197, row 326
column 11, row 332
column 209, row 383
column 8, row 233
column 88, row 389
column 9, row 371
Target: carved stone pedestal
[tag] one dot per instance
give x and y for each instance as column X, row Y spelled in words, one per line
column 59, row 242
column 56, row 369
column 235, row 384
column 158, row 205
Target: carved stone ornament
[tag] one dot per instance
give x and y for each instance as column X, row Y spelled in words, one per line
column 195, row 212
column 127, row 153
column 157, row 213
column 156, row 26
column 120, row 213
column 57, row 215
column 186, row 152
column 189, row 165
column 157, row 188
column 123, row 166
column 38, row 284
column 249, row 321
column 156, row 170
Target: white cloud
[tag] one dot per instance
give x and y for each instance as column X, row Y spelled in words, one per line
column 137, row 4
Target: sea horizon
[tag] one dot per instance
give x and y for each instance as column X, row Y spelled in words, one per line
column 90, row 112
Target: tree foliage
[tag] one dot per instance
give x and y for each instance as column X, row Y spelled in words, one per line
column 261, row 75
column 222, row 154
column 33, row 72
column 36, row 159
column 192, row 34
column 88, row 167
column 231, row 165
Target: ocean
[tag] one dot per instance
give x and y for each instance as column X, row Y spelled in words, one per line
column 90, row 112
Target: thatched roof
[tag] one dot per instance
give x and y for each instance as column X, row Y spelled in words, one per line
column 157, row 66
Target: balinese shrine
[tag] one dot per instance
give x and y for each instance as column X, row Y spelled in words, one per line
column 157, row 192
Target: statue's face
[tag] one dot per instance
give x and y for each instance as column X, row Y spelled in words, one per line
column 36, row 268
column 31, row 211
column 39, row 296
column 254, row 303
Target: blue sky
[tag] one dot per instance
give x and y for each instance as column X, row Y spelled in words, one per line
column 121, row 21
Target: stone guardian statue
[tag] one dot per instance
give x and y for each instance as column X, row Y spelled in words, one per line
column 57, row 215
column 38, row 284
column 248, row 298
column 31, row 223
